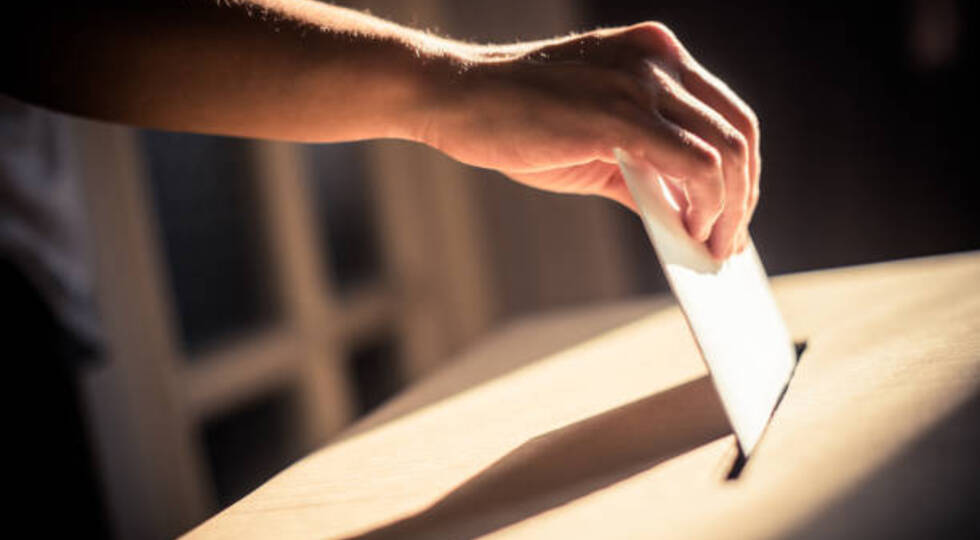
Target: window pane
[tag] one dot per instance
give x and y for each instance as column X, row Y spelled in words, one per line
column 251, row 443
column 374, row 367
column 344, row 214
column 204, row 190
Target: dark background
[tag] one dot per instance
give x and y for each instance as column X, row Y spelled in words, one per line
column 867, row 115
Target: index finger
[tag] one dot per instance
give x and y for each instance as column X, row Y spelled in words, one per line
column 717, row 95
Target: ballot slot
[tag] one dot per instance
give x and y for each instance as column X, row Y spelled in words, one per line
column 741, row 460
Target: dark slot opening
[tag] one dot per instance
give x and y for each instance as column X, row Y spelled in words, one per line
column 741, row 459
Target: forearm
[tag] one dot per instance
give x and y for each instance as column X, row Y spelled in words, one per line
column 549, row 114
column 296, row 70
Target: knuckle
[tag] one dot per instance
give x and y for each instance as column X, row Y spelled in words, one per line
column 706, row 161
column 654, row 34
column 661, row 76
column 748, row 124
column 658, row 30
column 737, row 145
column 752, row 120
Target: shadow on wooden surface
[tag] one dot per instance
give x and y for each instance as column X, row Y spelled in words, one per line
column 524, row 342
column 571, row 462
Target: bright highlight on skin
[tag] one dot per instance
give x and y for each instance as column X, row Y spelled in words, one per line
column 668, row 196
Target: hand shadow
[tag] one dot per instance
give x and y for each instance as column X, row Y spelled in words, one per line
column 570, row 462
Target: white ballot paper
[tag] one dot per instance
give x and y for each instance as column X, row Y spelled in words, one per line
column 728, row 305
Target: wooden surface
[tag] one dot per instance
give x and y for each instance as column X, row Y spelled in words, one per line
column 602, row 424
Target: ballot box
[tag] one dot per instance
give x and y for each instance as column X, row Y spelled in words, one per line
column 603, row 423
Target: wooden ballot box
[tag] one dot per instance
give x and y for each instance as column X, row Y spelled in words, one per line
column 602, row 423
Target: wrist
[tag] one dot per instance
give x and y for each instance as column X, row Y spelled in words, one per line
column 438, row 78
column 448, row 80
column 387, row 85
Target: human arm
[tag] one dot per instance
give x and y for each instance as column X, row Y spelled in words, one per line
column 546, row 113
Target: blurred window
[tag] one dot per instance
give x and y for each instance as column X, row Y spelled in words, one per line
column 373, row 366
column 345, row 220
column 251, row 443
column 205, row 194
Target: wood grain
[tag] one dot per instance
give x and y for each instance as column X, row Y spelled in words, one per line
column 602, row 423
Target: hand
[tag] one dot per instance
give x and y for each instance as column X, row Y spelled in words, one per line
column 550, row 114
